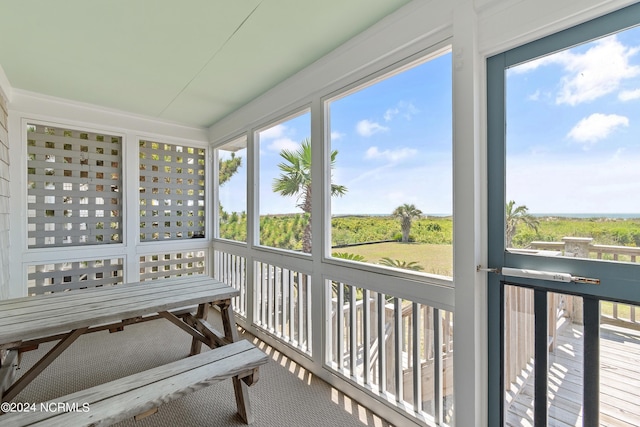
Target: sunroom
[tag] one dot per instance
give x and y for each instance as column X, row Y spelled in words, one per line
column 346, row 167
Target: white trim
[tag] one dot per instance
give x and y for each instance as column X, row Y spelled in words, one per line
column 507, row 24
column 34, row 104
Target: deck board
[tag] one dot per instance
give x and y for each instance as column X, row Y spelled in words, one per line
column 619, row 381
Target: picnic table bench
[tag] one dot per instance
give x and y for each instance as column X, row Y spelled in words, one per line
column 27, row 322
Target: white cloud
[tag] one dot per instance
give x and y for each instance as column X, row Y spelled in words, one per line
column 596, row 127
column 335, row 135
column 629, row 95
column 284, row 144
column 273, row 132
column 403, row 108
column 597, row 72
column 368, row 128
column 390, row 155
column 589, row 75
column 534, row 96
column 390, row 114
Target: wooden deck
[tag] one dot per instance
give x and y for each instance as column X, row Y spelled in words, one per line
column 619, row 381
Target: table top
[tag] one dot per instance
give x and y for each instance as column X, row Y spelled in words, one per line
column 39, row 316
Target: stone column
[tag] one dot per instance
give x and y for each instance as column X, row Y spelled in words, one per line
column 577, row 247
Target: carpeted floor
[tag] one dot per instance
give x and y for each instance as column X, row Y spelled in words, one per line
column 285, row 395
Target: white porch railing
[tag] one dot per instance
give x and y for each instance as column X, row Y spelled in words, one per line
column 376, row 340
column 398, row 351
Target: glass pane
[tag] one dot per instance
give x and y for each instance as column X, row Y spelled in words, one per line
column 285, row 184
column 232, row 190
column 391, row 147
column 573, row 147
column 619, row 364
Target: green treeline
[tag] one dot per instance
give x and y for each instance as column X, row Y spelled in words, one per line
column 286, row 231
column 361, row 229
column 604, row 231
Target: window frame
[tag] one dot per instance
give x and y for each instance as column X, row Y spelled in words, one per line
column 387, row 71
column 254, row 196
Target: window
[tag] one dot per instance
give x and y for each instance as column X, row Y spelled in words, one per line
column 285, row 184
column 232, row 190
column 172, row 191
column 73, row 187
column 391, row 155
column 572, row 151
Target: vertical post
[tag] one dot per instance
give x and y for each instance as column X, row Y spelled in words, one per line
column 591, row 388
column 541, row 358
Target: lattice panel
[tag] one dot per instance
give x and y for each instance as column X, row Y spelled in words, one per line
column 174, row 264
column 172, row 191
column 46, row 278
column 74, row 181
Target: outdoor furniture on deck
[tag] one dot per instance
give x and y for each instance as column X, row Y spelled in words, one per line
column 27, row 322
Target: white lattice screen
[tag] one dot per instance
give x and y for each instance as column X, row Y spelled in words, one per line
column 74, row 181
column 174, row 264
column 45, row 278
column 172, row 191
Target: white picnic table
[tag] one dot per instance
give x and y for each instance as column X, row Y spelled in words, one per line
column 27, row 322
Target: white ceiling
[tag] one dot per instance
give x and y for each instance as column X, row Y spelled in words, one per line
column 187, row 61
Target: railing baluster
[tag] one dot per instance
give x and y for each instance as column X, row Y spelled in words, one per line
column 382, row 342
column 340, row 320
column 270, row 296
column 291, row 309
column 397, row 310
column 437, row 366
column 308, row 311
column 353, row 331
column 263, row 298
column 300, row 326
column 417, row 371
column 366, row 327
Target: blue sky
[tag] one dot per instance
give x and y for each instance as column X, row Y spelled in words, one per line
column 573, row 121
column 573, row 141
column 393, row 140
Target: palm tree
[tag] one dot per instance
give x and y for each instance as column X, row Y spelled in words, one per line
column 406, row 213
column 516, row 215
column 295, row 180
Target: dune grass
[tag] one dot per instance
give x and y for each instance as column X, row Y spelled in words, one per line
column 435, row 259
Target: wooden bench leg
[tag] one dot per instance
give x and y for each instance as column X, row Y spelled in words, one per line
column 242, row 400
column 46, row 360
column 8, row 371
column 239, row 387
column 196, row 345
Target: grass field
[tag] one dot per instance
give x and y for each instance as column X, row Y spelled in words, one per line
column 435, row 259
